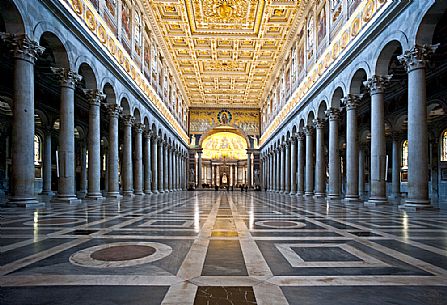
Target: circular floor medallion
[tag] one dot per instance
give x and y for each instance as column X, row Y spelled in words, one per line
column 120, row 254
column 54, row 221
column 280, row 224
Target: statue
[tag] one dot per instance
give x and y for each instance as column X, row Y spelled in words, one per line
column 192, row 176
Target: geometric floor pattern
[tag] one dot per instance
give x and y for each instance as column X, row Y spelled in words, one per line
column 222, row 248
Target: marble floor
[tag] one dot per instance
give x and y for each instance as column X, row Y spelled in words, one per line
column 222, row 248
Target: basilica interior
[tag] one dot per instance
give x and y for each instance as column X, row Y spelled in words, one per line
column 267, row 152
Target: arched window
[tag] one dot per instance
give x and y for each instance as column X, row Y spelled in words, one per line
column 310, row 37
column 37, row 150
column 405, row 154
column 444, row 146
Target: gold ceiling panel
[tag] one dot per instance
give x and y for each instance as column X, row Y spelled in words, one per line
column 225, row 50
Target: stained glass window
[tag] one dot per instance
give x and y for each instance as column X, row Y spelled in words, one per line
column 444, row 146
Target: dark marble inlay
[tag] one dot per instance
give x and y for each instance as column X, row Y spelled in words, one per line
column 85, row 295
column 224, row 257
column 82, row 232
column 122, row 253
column 212, row 295
column 366, row 295
column 324, row 254
column 57, row 221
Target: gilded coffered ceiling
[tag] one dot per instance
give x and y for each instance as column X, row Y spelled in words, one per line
column 224, row 50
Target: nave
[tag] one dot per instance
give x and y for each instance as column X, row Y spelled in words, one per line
column 208, row 247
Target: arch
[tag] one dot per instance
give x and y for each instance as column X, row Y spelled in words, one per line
column 233, row 129
column 110, row 93
column 137, row 115
column 126, row 107
column 388, row 53
column 321, row 114
column 11, row 18
column 338, row 94
column 310, row 118
column 55, row 53
column 429, row 21
column 88, row 76
column 357, row 86
column 301, row 125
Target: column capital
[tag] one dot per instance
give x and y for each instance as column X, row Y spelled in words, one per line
column 417, row 57
column 139, row 127
column 333, row 114
column 300, row 136
column 351, row 101
column 318, row 123
column 308, row 130
column 128, row 120
column 94, row 96
column 160, row 141
column 67, row 77
column 397, row 135
column 148, row 134
column 22, row 47
column 377, row 83
column 114, row 110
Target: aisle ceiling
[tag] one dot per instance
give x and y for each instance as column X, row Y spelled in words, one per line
column 224, row 51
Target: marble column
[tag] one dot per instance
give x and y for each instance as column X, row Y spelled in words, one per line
column 395, row 187
column 415, row 62
column 114, row 112
column 160, row 144
column 147, row 162
column 282, row 165
column 94, row 98
column 166, row 167
column 361, row 171
column 169, row 168
column 46, row 188
column 301, row 158
column 67, row 184
column 24, row 53
column 309, row 190
column 352, row 180
column 199, row 169
column 376, row 86
column 287, row 167
column 249, row 169
column 320, row 163
column 334, row 159
column 293, row 159
column 83, row 179
column 126, row 166
column 278, row 169
column 138, row 159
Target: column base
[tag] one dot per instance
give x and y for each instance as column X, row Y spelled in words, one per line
column 66, row 199
column 319, row 195
column 299, row 193
column 94, row 196
column 376, row 201
column 139, row 193
column 25, row 202
column 412, row 205
column 292, row 193
column 351, row 198
column 115, row 195
column 155, row 192
column 148, row 192
column 128, row 194
column 333, row 197
column 47, row 193
column 308, row 194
